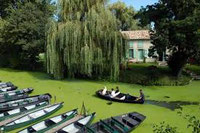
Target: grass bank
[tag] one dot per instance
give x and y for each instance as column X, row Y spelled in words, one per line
column 74, row 92
column 151, row 74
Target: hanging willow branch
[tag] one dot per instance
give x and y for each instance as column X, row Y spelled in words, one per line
column 84, row 41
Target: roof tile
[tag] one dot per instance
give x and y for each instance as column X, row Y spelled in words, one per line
column 137, row 34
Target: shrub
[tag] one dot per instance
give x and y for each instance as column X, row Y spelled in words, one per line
column 164, row 128
column 148, row 75
column 193, row 122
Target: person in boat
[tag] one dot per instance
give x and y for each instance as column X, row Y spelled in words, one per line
column 128, row 96
column 117, row 92
column 142, row 97
column 104, row 91
column 117, row 89
column 112, row 92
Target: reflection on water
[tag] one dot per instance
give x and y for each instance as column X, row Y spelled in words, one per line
column 171, row 105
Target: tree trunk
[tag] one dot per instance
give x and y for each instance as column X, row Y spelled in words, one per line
column 176, row 63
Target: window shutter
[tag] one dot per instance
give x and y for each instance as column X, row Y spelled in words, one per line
column 145, row 53
column 134, row 53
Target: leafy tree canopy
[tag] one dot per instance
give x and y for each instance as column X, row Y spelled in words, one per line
column 176, row 28
column 23, row 36
column 85, row 42
column 125, row 16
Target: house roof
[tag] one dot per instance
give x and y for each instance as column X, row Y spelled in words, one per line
column 136, row 34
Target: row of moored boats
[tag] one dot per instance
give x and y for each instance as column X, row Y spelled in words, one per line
column 18, row 110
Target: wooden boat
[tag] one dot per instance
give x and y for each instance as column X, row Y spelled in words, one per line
column 6, row 84
column 119, row 124
column 24, row 102
column 77, row 125
column 14, row 95
column 22, row 110
column 118, row 98
column 31, row 117
column 7, row 89
column 48, row 124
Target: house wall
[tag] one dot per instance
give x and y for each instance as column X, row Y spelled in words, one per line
column 138, row 50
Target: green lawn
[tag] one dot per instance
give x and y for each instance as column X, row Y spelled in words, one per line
column 74, row 92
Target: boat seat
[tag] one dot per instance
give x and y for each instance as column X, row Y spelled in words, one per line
column 29, row 107
column 130, row 122
column 31, row 130
column 134, row 116
column 15, row 104
column 39, row 126
column 57, row 119
column 83, row 121
column 69, row 129
column 3, row 114
column 64, row 116
column 107, row 127
column 88, row 129
column 15, row 111
column 45, row 111
column 119, row 124
column 49, row 122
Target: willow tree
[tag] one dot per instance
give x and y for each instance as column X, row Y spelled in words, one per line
column 84, row 41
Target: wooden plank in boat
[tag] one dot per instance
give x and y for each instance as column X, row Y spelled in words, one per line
column 55, row 129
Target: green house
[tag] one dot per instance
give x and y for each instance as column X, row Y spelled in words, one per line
column 139, row 43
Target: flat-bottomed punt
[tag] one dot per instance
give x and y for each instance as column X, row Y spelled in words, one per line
column 119, row 98
column 14, row 95
column 15, row 112
column 78, row 125
column 24, row 102
column 8, row 89
column 31, row 117
column 48, row 124
column 5, row 84
column 119, row 124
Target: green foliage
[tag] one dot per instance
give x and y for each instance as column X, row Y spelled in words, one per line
column 193, row 68
column 23, row 37
column 125, row 16
column 164, row 128
column 193, row 122
column 4, row 5
column 85, row 42
column 151, row 74
column 176, row 28
column 2, row 25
